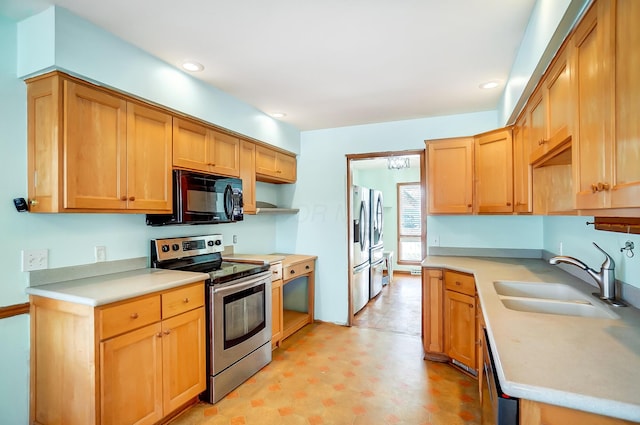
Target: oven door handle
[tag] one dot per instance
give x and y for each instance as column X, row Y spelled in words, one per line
column 233, row 287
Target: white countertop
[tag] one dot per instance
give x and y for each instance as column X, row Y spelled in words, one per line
column 105, row 289
column 589, row 364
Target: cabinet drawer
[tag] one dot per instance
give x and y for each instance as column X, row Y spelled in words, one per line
column 182, row 299
column 298, row 269
column 128, row 316
column 460, row 282
column 276, row 271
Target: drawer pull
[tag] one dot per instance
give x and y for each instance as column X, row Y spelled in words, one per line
column 159, row 334
column 458, row 283
column 167, row 332
column 123, row 198
column 307, row 267
column 134, row 315
column 292, row 272
column 186, row 300
column 132, row 198
column 470, row 305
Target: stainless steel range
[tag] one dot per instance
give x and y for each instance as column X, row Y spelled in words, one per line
column 238, row 300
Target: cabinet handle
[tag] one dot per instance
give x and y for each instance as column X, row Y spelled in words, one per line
column 159, row 334
column 279, row 172
column 33, row 202
column 307, row 267
column 292, row 272
column 458, row 283
column 123, row 198
column 470, row 305
column 603, row 186
column 541, row 142
column 469, row 205
column 132, row 198
column 167, row 332
column 508, row 204
column 134, row 315
column 186, row 300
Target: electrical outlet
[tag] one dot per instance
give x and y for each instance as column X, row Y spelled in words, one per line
column 101, row 253
column 435, row 240
column 35, row 259
column 235, row 238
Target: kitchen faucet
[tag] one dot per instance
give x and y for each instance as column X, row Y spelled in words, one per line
column 605, row 278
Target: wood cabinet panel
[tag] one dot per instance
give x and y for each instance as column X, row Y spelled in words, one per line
column 149, row 153
column 625, row 190
column 124, row 317
column 493, row 159
column 460, row 282
column 522, row 181
column 248, row 175
column 131, row 377
column 460, row 327
column 225, row 154
column 535, row 413
column 537, row 113
column 182, row 300
column 274, row 167
column 450, row 176
column 276, row 313
column 593, row 123
column 433, row 314
column 95, row 172
column 299, row 269
column 183, row 358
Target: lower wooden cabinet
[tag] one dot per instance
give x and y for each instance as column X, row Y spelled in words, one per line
column 449, row 317
column 131, row 362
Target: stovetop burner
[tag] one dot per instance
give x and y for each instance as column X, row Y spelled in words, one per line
column 200, row 254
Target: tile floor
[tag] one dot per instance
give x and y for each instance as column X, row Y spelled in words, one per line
column 368, row 374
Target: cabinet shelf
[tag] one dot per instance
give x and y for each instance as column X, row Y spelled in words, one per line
column 293, row 321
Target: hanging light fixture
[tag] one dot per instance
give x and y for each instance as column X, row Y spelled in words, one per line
column 397, row 162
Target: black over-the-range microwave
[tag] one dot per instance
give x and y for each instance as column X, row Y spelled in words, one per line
column 202, row 199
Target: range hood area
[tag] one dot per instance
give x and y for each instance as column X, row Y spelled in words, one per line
column 268, row 208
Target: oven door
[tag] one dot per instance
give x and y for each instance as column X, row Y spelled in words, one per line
column 497, row 407
column 241, row 315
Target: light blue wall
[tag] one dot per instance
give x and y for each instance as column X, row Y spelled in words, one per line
column 576, row 238
column 90, row 52
column 321, row 227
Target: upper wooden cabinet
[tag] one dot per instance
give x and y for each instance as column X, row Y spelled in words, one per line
column 450, row 175
column 201, row 148
column 91, row 150
column 248, row 175
column 549, row 112
column 606, row 69
column 522, row 183
column 273, row 166
column 493, row 158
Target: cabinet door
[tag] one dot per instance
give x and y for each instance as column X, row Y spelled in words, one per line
column 183, row 358
column 432, row 313
column 131, row 377
column 276, row 312
column 189, row 145
column 149, row 135
column 224, row 154
column 94, row 148
column 494, row 172
column 625, row 191
column 537, row 114
column 521, row 167
column 593, row 120
column 266, row 161
column 248, row 175
column 460, row 328
column 286, row 164
column 450, row 176
column 559, row 102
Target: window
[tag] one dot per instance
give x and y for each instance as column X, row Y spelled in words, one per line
column 409, row 223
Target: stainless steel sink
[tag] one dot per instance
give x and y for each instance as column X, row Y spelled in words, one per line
column 551, row 291
column 550, row 298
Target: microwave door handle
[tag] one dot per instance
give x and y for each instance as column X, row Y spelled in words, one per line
column 228, row 201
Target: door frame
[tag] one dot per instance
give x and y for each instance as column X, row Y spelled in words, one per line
column 423, row 208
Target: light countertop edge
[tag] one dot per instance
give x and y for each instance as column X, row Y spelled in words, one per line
column 100, row 290
column 580, row 363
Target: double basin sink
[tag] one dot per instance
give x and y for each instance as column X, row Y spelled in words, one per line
column 551, row 298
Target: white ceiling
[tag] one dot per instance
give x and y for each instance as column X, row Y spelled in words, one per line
column 328, row 63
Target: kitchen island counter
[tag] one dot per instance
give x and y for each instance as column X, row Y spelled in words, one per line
column 583, row 363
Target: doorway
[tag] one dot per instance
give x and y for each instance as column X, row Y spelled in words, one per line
column 379, row 186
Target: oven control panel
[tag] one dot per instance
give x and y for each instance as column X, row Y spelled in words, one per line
column 190, row 246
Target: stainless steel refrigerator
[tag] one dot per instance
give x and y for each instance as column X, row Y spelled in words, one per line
column 376, row 242
column 360, row 247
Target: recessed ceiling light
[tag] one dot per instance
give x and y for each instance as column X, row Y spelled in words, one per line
column 278, row 114
column 490, row 84
column 192, row 66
